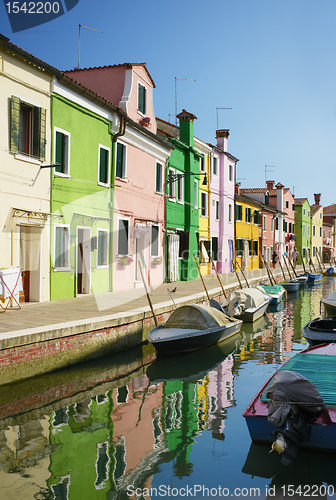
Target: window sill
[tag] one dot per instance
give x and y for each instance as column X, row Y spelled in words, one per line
column 172, row 199
column 102, row 267
column 28, row 159
column 62, row 269
column 159, row 192
column 122, row 179
column 103, row 184
column 59, row 174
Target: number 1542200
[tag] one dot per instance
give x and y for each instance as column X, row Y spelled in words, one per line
column 33, row 8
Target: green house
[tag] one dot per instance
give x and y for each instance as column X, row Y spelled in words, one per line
column 182, row 184
column 302, row 230
column 83, row 149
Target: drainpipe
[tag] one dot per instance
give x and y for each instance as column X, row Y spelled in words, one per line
column 122, row 130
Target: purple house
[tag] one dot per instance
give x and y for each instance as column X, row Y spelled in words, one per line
column 222, row 186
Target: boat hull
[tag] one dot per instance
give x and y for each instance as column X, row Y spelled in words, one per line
column 291, row 286
column 302, row 279
column 314, row 277
column 176, row 340
column 320, row 331
column 322, row 437
column 330, row 308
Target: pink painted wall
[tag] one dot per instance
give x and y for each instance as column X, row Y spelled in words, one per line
column 289, row 218
column 140, row 75
column 214, row 188
column 115, row 82
column 268, row 236
column 108, row 81
column 226, row 196
column 136, row 199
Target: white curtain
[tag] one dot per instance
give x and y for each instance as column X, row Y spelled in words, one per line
column 173, row 253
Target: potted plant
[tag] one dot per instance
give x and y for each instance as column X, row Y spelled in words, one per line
column 156, row 260
column 125, row 260
column 145, row 121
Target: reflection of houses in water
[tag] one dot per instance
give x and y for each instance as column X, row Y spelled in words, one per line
column 106, row 442
column 180, row 422
column 82, row 439
column 138, row 430
column 220, row 396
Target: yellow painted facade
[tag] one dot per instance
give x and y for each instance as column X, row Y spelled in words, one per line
column 247, row 233
column 204, row 206
column 316, row 234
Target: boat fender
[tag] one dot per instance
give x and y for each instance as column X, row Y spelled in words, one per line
column 279, row 444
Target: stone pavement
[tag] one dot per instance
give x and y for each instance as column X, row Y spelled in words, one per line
column 88, row 309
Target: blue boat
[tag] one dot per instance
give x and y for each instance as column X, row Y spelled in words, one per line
column 311, row 408
column 314, row 277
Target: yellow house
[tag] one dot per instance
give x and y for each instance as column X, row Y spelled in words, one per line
column 316, row 231
column 204, row 206
column 25, row 157
column 247, row 232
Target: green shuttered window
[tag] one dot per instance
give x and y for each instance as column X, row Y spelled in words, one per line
column 159, row 178
column 142, row 99
column 123, row 232
column 62, row 152
column 62, row 250
column 121, row 161
column 102, row 250
column 103, row 165
column 154, row 240
column 27, row 129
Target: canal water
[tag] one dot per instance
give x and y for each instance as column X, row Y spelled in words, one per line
column 160, row 428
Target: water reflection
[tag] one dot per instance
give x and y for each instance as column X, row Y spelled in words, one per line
column 312, row 471
column 93, row 431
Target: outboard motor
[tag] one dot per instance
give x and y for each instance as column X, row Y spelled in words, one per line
column 295, row 403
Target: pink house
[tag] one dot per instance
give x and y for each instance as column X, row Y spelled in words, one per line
column 222, row 215
column 140, row 158
column 282, row 200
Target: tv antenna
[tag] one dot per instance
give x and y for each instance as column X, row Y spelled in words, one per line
column 179, row 78
column 293, row 190
column 268, row 168
column 217, row 115
column 79, row 27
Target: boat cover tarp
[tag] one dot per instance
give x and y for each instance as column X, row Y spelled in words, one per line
column 246, row 298
column 292, row 387
column 270, row 289
column 331, row 297
column 319, row 369
column 198, row 317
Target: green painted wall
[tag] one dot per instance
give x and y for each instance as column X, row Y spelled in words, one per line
column 302, row 241
column 79, row 200
column 184, row 216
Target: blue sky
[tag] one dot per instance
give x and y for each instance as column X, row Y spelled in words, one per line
column 271, row 61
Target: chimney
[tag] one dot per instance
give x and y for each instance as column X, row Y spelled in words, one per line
column 222, row 139
column 317, row 198
column 187, row 127
column 270, row 185
column 237, row 190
